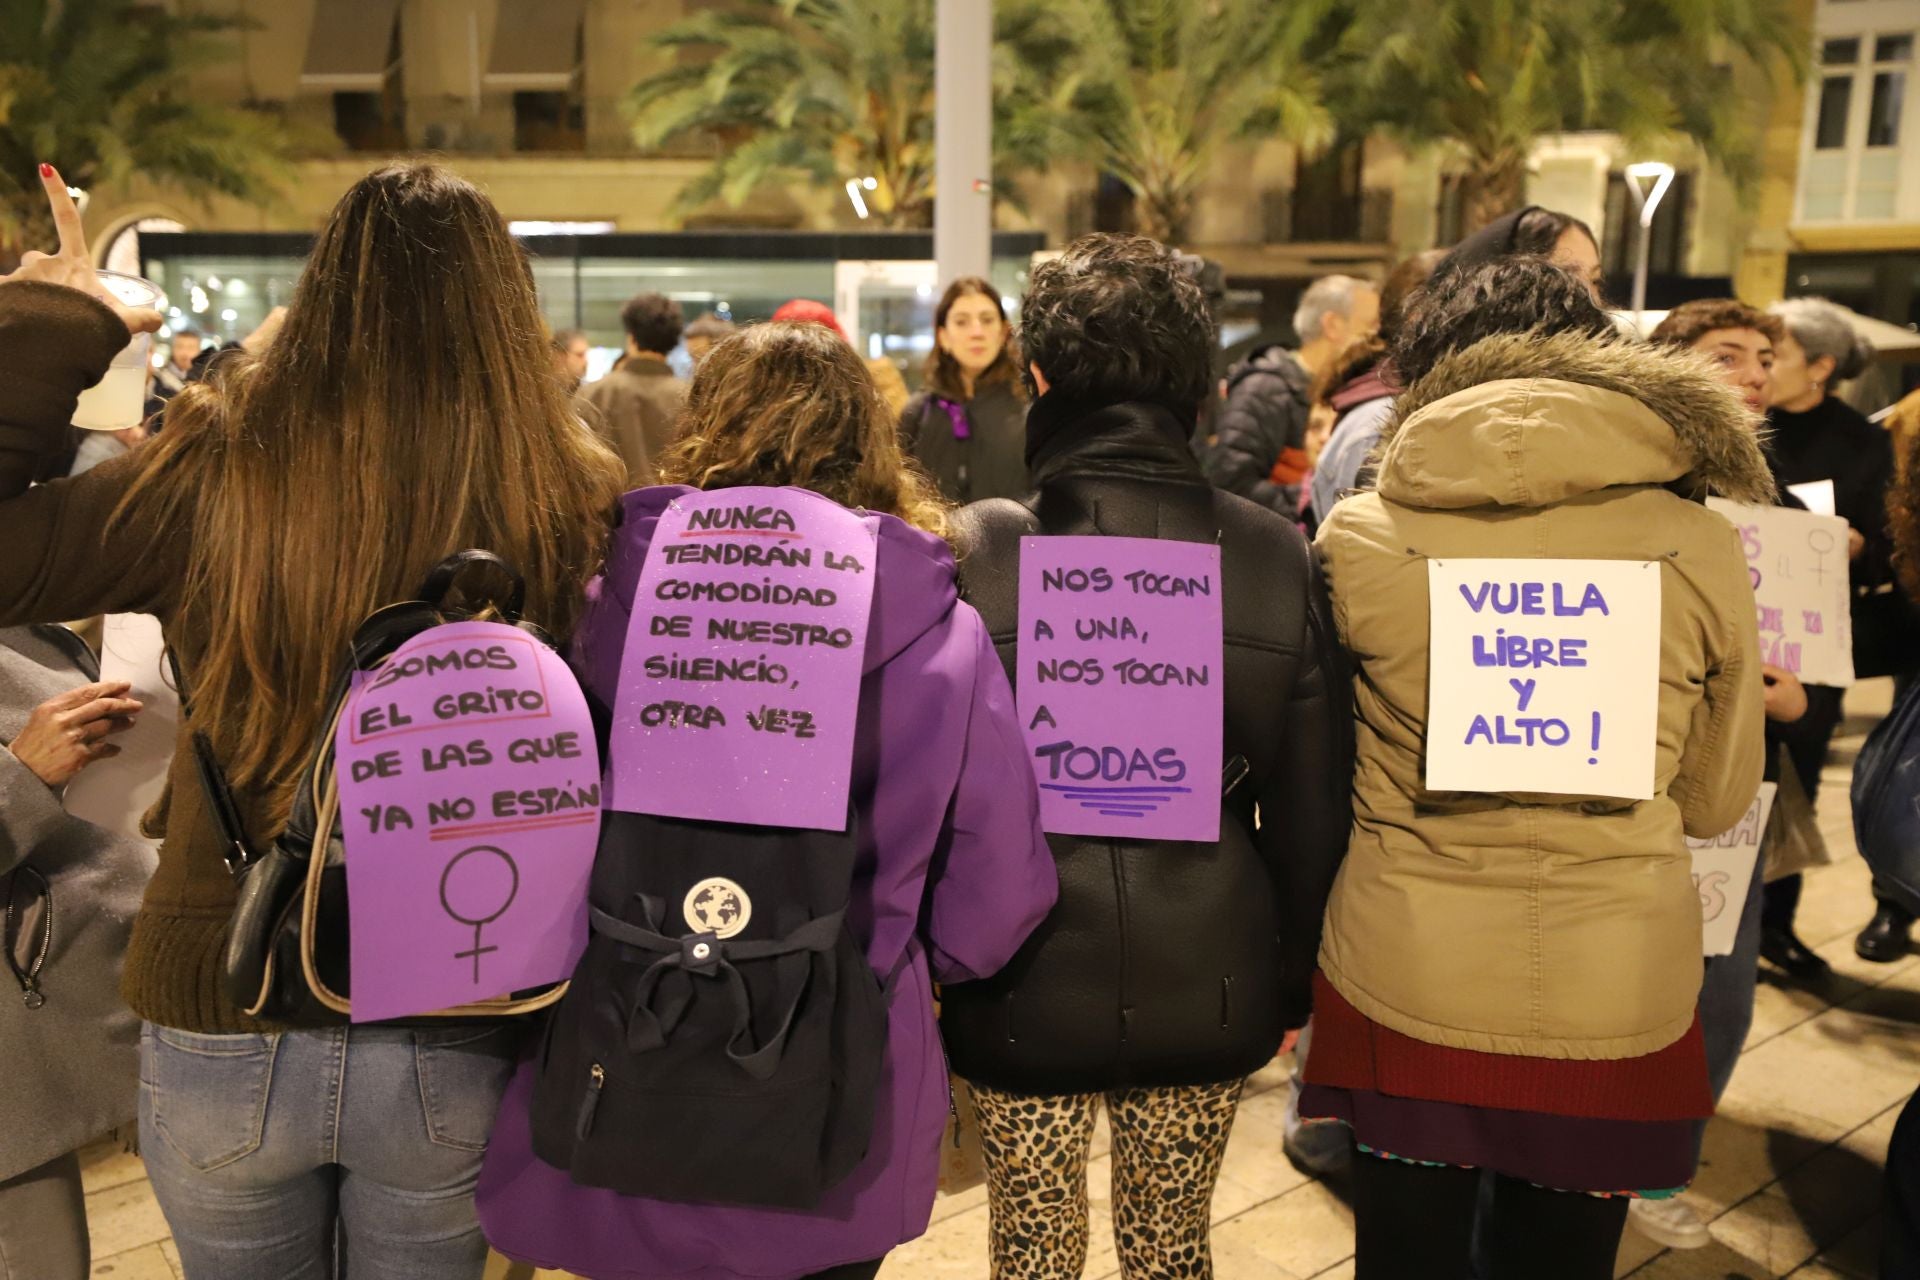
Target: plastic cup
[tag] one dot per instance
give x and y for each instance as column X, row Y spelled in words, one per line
column 119, row 400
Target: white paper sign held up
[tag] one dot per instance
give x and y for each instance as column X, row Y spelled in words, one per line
column 1544, row 676
column 1723, row 868
column 1797, row 561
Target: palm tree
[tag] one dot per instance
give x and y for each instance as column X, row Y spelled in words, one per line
column 103, row 88
column 1164, row 84
column 832, row 91
column 1492, row 76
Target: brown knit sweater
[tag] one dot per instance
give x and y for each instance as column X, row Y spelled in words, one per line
column 60, row 558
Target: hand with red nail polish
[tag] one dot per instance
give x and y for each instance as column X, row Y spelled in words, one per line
column 72, row 265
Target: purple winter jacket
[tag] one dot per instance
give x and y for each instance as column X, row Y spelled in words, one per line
column 950, row 853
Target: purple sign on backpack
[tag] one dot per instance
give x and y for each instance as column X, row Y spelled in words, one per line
column 740, row 680
column 469, row 787
column 1120, row 685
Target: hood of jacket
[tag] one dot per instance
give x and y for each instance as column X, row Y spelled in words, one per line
column 1522, row 420
column 1274, row 361
column 914, row 589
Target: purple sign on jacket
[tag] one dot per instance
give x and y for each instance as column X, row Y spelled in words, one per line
column 952, row 864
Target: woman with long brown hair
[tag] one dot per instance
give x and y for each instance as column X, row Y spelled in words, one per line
column 950, row 873
column 968, row 427
column 407, row 410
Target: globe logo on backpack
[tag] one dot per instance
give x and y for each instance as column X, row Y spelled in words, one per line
column 717, row 906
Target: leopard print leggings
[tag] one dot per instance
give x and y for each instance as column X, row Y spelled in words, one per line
column 1167, row 1145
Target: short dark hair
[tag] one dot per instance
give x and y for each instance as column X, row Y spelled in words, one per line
column 564, row 338
column 709, row 325
column 1119, row 318
column 1684, row 325
column 1452, row 311
column 653, row 321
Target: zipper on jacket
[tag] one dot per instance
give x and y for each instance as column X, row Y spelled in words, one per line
column 29, row 977
column 1226, row 1002
column 596, row 1082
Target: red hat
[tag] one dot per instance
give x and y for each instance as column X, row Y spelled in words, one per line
column 807, row 311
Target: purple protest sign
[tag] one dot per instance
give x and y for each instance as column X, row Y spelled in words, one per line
column 740, row 680
column 1120, row 685
column 470, row 801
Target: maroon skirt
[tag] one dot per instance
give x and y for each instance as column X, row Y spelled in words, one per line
column 1615, row 1127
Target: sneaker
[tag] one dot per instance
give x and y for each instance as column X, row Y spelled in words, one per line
column 1669, row 1222
column 1319, row 1149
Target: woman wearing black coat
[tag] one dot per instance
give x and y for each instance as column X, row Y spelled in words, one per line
column 968, row 428
column 1818, row 437
column 1168, row 970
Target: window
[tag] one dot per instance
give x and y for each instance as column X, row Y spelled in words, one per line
column 1855, row 128
column 1836, row 98
column 1883, row 111
column 1327, row 200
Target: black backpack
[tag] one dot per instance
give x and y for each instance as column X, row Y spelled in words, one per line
column 721, row 1039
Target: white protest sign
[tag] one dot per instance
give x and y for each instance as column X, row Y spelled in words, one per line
column 1797, row 562
column 1723, row 870
column 1817, row 494
column 1544, row 676
column 115, row 792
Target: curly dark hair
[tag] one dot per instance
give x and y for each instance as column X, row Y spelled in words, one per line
column 653, row 321
column 1687, row 323
column 1118, row 318
column 1507, row 295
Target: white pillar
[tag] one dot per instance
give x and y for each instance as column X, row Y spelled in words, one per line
column 963, row 138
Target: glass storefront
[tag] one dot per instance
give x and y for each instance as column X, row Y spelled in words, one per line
column 881, row 284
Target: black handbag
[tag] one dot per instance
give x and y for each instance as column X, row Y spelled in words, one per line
column 286, row 954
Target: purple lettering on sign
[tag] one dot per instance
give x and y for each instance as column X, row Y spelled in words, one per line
column 740, row 680
column 1120, row 685
column 470, row 802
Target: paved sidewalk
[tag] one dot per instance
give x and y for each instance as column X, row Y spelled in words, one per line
column 1790, row 1182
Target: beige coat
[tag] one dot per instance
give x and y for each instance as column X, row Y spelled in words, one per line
column 1545, row 925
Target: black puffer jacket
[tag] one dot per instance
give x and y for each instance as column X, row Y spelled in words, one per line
column 1172, row 963
column 1263, row 426
column 990, row 462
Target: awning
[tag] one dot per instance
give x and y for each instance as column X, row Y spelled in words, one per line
column 536, row 46
column 350, row 47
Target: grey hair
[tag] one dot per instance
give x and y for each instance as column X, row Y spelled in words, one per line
column 1329, row 295
column 1822, row 329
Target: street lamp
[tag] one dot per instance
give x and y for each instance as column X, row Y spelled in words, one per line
column 854, row 187
column 1660, row 175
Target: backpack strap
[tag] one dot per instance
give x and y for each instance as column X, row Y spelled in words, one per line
column 707, row 956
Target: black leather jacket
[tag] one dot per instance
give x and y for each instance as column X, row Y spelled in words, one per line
column 1164, row 962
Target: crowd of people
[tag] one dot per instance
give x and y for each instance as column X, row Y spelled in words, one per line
column 1513, row 1044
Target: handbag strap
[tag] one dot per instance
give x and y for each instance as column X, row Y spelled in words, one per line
column 380, row 634
column 214, row 787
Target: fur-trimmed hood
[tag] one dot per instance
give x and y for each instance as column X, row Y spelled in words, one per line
column 1522, row 420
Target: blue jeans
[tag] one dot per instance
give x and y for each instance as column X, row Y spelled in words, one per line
column 1726, row 999
column 270, row 1154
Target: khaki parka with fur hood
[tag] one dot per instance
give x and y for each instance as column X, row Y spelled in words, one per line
column 1546, row 925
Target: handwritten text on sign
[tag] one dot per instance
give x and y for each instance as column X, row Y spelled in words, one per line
column 470, row 799
column 1797, row 561
column 740, row 683
column 1723, row 869
column 1120, row 684
column 1544, row 676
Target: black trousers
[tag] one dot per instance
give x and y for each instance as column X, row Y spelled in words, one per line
column 1415, row 1222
